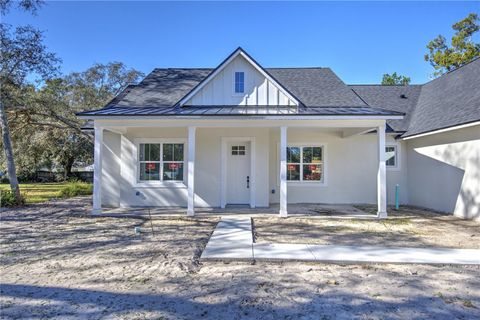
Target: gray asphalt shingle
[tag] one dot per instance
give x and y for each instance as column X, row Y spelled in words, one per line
column 316, row 87
column 449, row 100
column 396, row 98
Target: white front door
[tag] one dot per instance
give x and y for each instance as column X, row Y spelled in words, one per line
column 238, row 172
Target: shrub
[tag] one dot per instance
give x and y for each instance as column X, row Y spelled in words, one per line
column 74, row 189
column 7, row 199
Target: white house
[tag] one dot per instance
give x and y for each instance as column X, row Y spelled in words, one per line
column 246, row 135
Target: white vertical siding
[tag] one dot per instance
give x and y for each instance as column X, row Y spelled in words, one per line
column 258, row 90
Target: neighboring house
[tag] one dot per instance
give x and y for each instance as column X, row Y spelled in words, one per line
column 242, row 134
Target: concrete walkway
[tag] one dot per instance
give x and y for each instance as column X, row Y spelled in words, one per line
column 233, row 240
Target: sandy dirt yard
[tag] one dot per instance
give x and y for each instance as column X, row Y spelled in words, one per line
column 408, row 227
column 59, row 263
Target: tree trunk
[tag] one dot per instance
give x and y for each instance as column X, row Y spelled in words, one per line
column 7, row 148
column 67, row 168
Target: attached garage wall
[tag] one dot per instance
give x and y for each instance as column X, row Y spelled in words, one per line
column 444, row 172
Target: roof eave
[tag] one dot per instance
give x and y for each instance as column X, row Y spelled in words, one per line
column 245, row 117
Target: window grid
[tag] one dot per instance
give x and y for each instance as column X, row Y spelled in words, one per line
column 161, row 162
column 302, row 164
column 238, row 150
column 392, row 161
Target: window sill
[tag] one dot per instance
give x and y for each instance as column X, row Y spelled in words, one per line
column 306, row 184
column 160, row 184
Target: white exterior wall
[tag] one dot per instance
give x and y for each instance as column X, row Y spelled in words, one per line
column 351, row 165
column 111, row 164
column 444, row 172
column 120, row 187
column 258, row 90
column 351, row 169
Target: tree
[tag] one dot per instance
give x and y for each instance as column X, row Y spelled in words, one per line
column 462, row 50
column 96, row 86
column 22, row 53
column 51, row 122
column 395, row 79
column 27, row 5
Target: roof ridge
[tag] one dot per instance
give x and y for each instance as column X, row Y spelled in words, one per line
column 297, row 68
column 183, row 68
column 210, row 68
column 386, row 85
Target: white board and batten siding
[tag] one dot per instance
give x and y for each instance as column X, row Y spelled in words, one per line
column 258, row 89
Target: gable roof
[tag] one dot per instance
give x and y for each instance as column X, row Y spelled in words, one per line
column 238, row 52
column 450, row 100
column 315, row 87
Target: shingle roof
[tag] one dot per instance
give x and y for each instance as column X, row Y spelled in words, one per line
column 396, row 98
column 162, row 87
column 449, row 100
column 315, row 87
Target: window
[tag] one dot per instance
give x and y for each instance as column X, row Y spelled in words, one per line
column 305, row 163
column 238, row 150
column 239, row 82
column 391, row 156
column 161, row 161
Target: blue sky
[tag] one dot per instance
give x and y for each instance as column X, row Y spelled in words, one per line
column 360, row 41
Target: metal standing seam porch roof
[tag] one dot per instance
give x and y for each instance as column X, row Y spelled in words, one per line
column 212, row 111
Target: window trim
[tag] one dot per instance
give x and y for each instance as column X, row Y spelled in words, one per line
column 397, row 166
column 159, row 183
column 306, row 183
column 234, row 82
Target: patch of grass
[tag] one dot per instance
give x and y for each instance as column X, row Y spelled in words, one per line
column 7, row 199
column 41, row 192
column 74, row 189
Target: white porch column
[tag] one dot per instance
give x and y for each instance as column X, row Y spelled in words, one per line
column 97, row 171
column 191, row 171
column 381, row 176
column 283, row 172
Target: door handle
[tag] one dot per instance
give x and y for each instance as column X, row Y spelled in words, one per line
column 248, row 182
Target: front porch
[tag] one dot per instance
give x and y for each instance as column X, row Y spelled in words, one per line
column 298, row 210
column 349, row 166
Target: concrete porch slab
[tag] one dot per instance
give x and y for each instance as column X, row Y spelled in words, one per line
column 310, row 210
